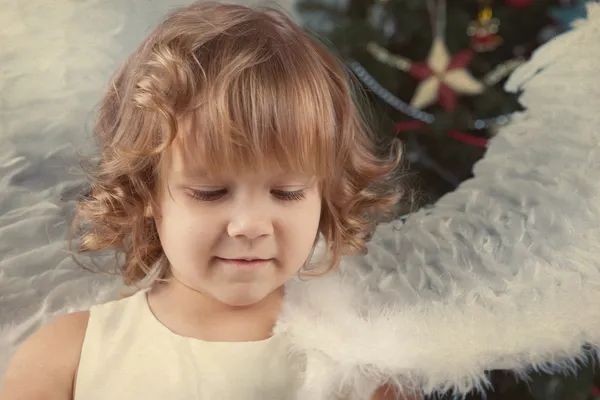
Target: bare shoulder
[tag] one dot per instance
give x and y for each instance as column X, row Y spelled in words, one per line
column 51, row 355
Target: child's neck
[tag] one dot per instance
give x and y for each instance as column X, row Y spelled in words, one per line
column 188, row 312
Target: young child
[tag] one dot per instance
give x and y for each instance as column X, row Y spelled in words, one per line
column 230, row 142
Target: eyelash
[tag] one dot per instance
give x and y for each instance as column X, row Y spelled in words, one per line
column 283, row 195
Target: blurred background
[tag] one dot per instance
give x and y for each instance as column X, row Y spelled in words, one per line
column 434, row 72
column 435, row 69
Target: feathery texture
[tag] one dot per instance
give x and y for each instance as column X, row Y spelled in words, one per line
column 503, row 273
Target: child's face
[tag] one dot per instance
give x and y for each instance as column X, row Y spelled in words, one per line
column 205, row 224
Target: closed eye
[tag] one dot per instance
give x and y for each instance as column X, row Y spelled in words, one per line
column 213, row 195
column 289, row 195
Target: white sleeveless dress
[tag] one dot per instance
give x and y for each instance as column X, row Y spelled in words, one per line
column 128, row 354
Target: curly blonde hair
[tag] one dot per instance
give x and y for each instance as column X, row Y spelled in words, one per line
column 250, row 85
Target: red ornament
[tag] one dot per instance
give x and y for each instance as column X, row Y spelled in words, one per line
column 447, row 96
column 454, row 134
column 484, row 31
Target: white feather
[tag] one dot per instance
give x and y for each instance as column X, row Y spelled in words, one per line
column 504, row 273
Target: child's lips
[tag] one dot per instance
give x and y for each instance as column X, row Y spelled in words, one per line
column 245, row 262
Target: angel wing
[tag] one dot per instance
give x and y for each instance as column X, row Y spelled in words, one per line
column 503, row 273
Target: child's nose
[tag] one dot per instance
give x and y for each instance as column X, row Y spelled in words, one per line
column 250, row 224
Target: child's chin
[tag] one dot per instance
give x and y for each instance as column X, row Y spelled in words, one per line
column 243, row 298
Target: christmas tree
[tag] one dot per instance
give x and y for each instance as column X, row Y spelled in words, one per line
column 434, row 71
